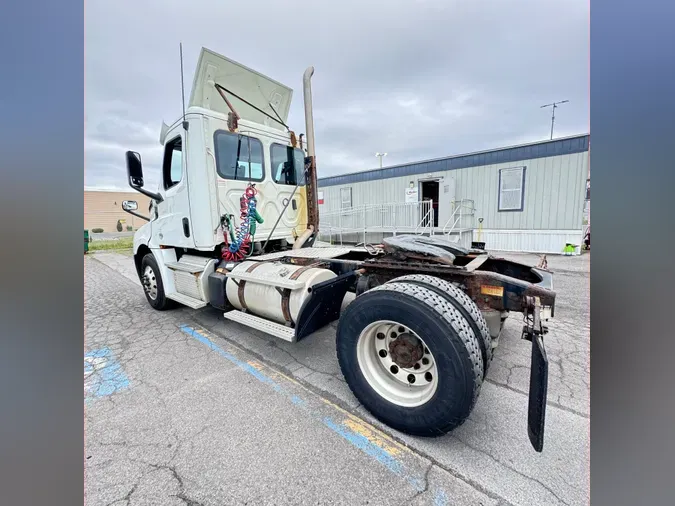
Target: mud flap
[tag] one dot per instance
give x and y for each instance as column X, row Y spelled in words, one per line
column 536, row 409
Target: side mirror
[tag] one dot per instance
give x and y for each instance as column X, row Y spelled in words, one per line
column 135, row 173
column 134, row 169
column 290, row 167
column 129, row 205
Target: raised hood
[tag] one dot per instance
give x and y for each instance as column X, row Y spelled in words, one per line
column 248, row 84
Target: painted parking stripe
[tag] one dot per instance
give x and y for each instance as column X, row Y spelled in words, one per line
column 103, row 374
column 353, row 430
column 440, row 499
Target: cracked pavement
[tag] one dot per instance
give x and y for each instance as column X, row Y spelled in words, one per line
column 193, row 427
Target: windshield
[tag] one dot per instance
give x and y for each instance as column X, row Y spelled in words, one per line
column 282, row 169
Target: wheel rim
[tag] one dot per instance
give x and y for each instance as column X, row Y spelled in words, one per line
column 387, row 352
column 150, row 282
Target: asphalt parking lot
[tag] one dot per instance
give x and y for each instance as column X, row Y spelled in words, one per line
column 185, row 407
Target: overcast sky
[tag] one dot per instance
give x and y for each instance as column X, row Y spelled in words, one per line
column 416, row 79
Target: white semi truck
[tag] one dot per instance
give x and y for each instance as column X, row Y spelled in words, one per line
column 233, row 225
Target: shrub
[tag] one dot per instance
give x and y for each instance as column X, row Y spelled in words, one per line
column 119, row 225
column 130, row 228
column 96, row 230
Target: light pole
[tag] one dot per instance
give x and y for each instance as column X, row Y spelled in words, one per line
column 380, row 155
column 553, row 105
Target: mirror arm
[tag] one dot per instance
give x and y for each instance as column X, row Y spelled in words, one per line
column 154, row 196
column 134, row 213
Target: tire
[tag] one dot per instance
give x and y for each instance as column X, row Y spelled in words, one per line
column 446, row 336
column 464, row 305
column 159, row 301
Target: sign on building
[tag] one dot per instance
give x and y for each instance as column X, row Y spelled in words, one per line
column 411, row 195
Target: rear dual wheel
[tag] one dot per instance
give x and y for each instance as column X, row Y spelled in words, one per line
column 411, row 358
column 463, row 303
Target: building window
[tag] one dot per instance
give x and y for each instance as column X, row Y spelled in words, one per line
column 172, row 169
column 281, row 168
column 511, row 189
column 232, row 156
column 588, row 189
column 345, row 198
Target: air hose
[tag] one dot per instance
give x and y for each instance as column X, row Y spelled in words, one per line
column 241, row 238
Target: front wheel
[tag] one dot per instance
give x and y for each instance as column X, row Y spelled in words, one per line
column 411, row 358
column 151, row 279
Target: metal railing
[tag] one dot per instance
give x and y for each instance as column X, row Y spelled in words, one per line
column 426, row 223
column 394, row 218
column 462, row 216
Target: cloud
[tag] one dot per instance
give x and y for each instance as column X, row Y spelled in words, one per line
column 415, row 79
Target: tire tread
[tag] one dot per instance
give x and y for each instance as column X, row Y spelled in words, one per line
column 464, row 303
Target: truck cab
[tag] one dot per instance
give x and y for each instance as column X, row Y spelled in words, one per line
column 233, row 180
column 205, row 170
column 228, row 139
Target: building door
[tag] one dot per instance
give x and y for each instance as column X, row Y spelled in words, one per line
column 430, row 192
column 446, row 197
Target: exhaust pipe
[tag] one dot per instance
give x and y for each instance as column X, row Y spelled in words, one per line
column 309, row 114
column 312, row 183
column 300, row 241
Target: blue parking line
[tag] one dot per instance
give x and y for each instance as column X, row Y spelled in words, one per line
column 357, row 440
column 366, row 446
column 103, row 374
column 440, row 499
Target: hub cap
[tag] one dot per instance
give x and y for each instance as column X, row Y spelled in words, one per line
column 397, row 364
column 150, row 282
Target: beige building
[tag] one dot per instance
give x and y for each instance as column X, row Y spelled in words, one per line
column 103, row 208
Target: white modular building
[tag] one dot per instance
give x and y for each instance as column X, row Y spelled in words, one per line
column 528, row 198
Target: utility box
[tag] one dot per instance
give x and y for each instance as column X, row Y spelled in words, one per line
column 86, row 241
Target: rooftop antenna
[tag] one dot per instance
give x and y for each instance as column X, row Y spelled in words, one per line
column 554, row 105
column 182, row 87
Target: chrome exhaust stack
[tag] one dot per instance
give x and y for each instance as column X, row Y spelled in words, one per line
column 309, row 114
column 310, row 162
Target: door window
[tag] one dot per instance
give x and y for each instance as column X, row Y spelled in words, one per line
column 172, row 171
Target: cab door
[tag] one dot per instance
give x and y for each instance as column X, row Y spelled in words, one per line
column 173, row 226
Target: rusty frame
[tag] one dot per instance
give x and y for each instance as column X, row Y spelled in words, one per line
column 516, row 296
